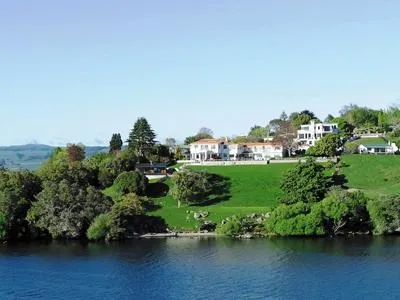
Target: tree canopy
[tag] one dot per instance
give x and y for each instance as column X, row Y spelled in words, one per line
column 141, row 138
column 116, row 142
column 305, row 183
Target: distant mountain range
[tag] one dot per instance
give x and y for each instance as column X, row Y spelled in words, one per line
column 31, row 156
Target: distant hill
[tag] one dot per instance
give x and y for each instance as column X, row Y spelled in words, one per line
column 31, row 156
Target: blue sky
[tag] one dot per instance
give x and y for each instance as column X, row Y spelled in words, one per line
column 77, row 71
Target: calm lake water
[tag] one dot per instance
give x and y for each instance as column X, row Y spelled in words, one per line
column 358, row 268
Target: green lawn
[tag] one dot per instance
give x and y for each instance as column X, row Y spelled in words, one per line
column 374, row 174
column 253, row 189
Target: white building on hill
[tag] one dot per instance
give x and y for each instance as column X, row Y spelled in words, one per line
column 209, row 149
column 309, row 134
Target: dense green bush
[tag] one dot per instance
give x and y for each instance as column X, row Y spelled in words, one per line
column 100, row 227
column 296, row 220
column 67, row 209
column 237, row 226
column 344, row 212
column 306, row 183
column 341, row 212
column 120, row 222
column 113, row 165
column 17, row 192
column 385, row 214
column 232, row 227
column 131, row 182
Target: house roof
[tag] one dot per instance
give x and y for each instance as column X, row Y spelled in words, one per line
column 215, row 141
column 263, row 144
column 376, row 145
column 154, row 165
column 208, row 141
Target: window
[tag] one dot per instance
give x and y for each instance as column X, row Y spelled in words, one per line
column 212, row 146
column 327, row 128
column 301, row 136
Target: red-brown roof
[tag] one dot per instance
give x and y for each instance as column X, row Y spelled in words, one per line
column 208, row 141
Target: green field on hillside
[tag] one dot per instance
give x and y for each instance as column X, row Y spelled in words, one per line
column 253, row 189
column 374, row 174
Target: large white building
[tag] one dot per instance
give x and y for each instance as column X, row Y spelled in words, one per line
column 208, row 149
column 309, row 134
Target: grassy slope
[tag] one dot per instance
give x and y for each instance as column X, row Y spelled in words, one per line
column 253, row 189
column 374, row 174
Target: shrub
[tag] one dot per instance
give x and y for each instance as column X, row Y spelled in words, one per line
column 120, row 222
column 385, row 214
column 232, row 227
column 236, row 226
column 100, row 227
column 131, row 182
column 344, row 211
column 295, row 220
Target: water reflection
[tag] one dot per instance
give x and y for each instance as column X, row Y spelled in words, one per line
column 199, row 268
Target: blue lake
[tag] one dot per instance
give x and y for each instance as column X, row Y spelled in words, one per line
column 343, row 268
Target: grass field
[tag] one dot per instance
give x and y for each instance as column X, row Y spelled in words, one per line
column 253, row 189
column 374, row 174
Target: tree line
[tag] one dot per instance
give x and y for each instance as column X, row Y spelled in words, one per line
column 66, row 198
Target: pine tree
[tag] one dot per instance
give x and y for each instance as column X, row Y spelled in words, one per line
column 141, row 137
column 115, row 143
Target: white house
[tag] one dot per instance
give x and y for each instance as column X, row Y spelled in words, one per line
column 309, row 134
column 207, row 149
column 378, row 148
column 264, row 151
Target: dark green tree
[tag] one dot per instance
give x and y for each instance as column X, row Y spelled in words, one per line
column 116, row 143
column 258, row 132
column 327, row 146
column 305, row 183
column 17, row 192
column 385, row 214
column 131, row 182
column 141, row 138
column 66, row 210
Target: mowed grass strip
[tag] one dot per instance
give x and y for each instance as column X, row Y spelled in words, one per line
column 373, row 174
column 253, row 189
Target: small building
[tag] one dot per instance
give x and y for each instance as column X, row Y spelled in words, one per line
column 152, row 168
column 378, row 148
column 309, row 134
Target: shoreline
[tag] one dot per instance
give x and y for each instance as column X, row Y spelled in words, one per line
column 180, row 234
